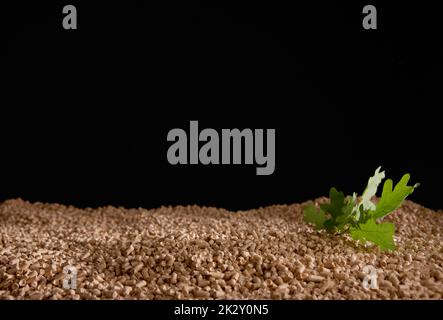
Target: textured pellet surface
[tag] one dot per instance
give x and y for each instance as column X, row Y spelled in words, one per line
column 206, row 253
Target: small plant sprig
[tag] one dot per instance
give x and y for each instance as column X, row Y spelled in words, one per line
column 360, row 217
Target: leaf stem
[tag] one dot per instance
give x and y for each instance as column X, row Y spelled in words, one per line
column 344, row 231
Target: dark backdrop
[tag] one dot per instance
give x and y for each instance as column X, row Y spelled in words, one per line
column 85, row 113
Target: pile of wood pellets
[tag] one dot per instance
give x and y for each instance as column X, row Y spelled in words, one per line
column 192, row 252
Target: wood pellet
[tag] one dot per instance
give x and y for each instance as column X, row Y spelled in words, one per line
column 192, row 252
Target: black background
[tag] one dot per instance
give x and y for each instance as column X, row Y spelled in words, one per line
column 85, row 113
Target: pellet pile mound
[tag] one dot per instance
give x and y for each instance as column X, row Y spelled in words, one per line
column 207, row 253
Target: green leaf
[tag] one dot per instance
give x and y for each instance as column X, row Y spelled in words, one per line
column 371, row 189
column 315, row 216
column 381, row 234
column 336, row 204
column 359, row 217
column 349, row 209
column 392, row 199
